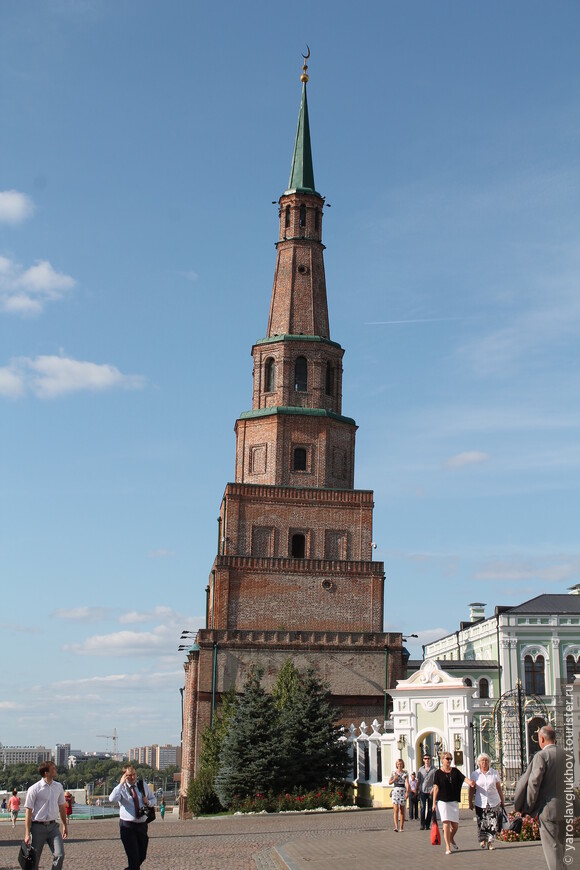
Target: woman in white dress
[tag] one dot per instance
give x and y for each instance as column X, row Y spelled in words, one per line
column 400, row 782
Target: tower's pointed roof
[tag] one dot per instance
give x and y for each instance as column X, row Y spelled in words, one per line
column 302, row 171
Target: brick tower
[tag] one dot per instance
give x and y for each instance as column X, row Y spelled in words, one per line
column 294, row 576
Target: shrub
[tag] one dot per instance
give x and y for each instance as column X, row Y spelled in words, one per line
column 201, row 797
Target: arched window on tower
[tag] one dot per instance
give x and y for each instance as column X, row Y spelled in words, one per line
column 467, row 682
column 329, row 379
column 484, row 688
column 287, row 217
column 298, row 546
column 535, row 683
column 301, row 375
column 269, row 375
column 302, row 215
column 572, row 668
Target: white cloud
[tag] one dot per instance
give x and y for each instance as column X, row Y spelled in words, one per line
column 469, row 457
column 26, row 291
column 161, row 640
column 49, row 377
column 549, row 572
column 15, row 207
column 160, row 612
column 11, row 383
column 83, row 614
column 160, row 554
column 8, row 705
column 138, row 681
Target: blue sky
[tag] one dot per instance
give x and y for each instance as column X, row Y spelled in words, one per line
column 142, row 145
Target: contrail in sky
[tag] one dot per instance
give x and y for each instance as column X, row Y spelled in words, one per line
column 422, row 320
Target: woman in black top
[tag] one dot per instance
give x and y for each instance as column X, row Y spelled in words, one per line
column 446, row 796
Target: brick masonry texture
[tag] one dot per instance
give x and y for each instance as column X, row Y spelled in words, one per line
column 293, row 575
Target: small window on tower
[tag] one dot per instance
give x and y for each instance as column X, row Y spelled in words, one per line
column 287, row 218
column 329, row 379
column 301, row 375
column 298, row 546
column 302, row 215
column 300, row 459
column 269, row 375
column 483, row 688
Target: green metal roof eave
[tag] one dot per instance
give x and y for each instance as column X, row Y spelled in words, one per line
column 290, row 337
column 298, row 412
column 308, row 190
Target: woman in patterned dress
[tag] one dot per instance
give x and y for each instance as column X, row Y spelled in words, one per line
column 400, row 782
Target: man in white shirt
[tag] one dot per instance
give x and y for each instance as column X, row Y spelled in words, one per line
column 43, row 806
column 133, row 803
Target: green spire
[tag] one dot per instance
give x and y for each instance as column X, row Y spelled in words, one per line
column 302, row 172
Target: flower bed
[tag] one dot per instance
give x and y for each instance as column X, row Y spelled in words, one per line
column 295, row 801
column 530, row 829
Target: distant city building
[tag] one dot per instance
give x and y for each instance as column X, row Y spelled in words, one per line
column 76, row 756
column 157, row 757
column 61, row 754
column 25, row 754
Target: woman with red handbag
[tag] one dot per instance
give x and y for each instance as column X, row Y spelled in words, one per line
column 446, row 796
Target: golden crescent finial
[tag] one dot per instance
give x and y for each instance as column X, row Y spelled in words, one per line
column 304, row 76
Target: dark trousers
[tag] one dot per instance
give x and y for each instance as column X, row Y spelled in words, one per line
column 426, row 809
column 135, row 841
column 413, row 806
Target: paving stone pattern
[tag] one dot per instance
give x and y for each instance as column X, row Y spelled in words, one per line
column 314, row 841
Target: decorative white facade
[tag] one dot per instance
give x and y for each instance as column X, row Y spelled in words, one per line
column 449, row 699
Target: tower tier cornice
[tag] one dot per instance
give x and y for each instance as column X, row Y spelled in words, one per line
column 295, row 412
column 288, row 337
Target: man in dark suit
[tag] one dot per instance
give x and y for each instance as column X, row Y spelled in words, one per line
column 540, row 792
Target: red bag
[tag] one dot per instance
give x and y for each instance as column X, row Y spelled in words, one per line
column 435, row 835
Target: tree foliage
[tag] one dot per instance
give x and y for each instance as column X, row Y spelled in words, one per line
column 249, row 758
column 283, row 741
column 201, row 796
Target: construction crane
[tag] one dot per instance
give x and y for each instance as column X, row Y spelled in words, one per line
column 112, row 737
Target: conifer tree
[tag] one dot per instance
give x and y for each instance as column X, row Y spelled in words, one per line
column 201, row 795
column 312, row 752
column 249, row 758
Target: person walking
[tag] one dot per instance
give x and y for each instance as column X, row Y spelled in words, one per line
column 540, row 792
column 488, row 800
column 413, row 796
column 425, row 778
column 14, row 806
column 43, row 805
column 133, row 804
column 399, row 781
column 69, row 805
column 446, row 796
column 162, row 809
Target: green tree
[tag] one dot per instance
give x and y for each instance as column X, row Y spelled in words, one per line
column 314, row 755
column 250, row 754
column 287, row 684
column 201, row 796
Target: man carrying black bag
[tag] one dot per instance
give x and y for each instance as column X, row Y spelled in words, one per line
column 135, row 806
column 43, row 807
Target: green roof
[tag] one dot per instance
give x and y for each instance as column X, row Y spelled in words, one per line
column 302, row 171
column 289, row 337
column 291, row 410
